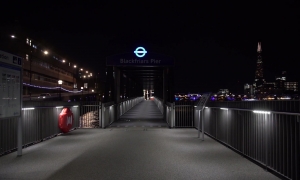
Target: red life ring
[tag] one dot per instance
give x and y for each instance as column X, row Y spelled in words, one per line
column 66, row 120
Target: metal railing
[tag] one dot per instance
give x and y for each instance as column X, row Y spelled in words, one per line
column 126, row 105
column 90, row 114
column 184, row 114
column 170, row 114
column 111, row 112
column 267, row 132
column 159, row 103
column 39, row 124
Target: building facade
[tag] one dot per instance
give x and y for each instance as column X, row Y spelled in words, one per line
column 43, row 68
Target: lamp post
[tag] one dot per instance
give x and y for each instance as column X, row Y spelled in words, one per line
column 30, row 73
column 88, row 84
column 74, row 77
column 60, row 83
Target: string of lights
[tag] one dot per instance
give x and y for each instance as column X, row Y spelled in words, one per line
column 41, row 87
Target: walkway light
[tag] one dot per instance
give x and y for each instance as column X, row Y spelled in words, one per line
column 60, row 83
column 224, row 109
column 261, row 112
column 31, row 108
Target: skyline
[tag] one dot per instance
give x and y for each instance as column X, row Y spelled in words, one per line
column 215, row 43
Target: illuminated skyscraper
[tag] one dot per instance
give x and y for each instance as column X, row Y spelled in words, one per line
column 259, row 74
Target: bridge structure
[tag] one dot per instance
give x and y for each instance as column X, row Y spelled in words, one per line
column 134, row 134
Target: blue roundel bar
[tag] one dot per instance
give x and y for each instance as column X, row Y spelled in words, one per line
column 140, row 52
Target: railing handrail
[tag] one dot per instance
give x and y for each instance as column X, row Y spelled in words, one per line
column 251, row 110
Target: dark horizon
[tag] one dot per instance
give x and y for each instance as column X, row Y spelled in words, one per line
column 213, row 45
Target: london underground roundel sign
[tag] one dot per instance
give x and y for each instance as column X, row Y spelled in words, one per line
column 140, row 52
column 66, row 120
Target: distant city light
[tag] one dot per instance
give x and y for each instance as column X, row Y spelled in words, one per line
column 12, row 36
column 45, row 52
column 63, row 61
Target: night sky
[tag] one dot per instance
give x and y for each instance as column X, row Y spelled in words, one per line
column 213, row 43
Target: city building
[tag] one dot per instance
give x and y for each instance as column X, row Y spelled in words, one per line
column 44, row 71
column 263, row 90
column 259, row 73
column 248, row 90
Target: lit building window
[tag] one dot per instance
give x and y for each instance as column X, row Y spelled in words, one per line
column 28, row 41
column 27, row 57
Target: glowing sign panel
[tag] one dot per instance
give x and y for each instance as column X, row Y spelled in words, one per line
column 140, row 52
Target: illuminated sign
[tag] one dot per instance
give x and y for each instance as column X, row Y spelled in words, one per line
column 140, row 52
column 136, row 59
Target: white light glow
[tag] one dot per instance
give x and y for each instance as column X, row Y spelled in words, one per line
column 59, row 107
column 224, row 109
column 12, row 36
column 262, row 112
column 75, row 106
column 31, row 108
column 45, row 52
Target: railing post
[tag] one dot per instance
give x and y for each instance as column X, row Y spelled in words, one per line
column 20, row 127
column 199, row 123
column 103, row 115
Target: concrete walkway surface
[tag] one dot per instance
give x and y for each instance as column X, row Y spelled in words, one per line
column 130, row 153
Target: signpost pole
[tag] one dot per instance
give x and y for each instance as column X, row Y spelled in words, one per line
column 201, row 106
